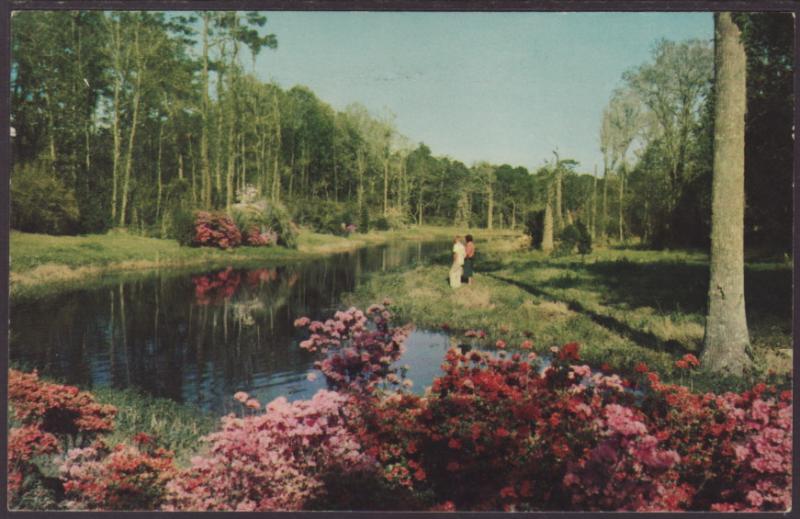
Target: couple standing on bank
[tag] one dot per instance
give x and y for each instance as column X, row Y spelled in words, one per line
column 463, row 256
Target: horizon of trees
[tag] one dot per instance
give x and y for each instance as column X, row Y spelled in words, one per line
column 127, row 115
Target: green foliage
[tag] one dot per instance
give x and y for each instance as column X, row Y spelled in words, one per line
column 534, row 227
column 40, row 202
column 278, row 219
column 573, row 237
column 364, row 219
column 325, row 216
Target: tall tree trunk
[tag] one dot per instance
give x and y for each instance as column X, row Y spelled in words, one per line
column 205, row 167
column 386, row 185
column 276, row 174
column 490, row 205
column 360, row 190
column 593, row 226
column 559, row 217
column 117, row 46
column 621, row 194
column 547, row 227
column 158, row 171
column 126, row 182
column 726, row 342
column 604, row 216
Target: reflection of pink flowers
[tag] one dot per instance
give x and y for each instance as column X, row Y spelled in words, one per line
column 241, row 396
column 252, row 404
column 215, row 288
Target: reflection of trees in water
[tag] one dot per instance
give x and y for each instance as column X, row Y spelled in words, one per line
column 190, row 338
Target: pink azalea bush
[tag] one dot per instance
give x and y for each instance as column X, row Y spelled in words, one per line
column 123, row 478
column 215, row 230
column 275, row 460
column 357, row 348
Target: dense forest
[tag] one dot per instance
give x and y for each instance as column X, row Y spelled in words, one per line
column 131, row 119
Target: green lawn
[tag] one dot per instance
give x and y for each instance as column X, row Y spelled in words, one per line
column 623, row 306
column 42, row 262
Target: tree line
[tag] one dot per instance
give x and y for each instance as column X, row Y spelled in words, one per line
column 124, row 117
column 657, row 139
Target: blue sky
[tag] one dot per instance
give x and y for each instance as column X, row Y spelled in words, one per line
column 501, row 87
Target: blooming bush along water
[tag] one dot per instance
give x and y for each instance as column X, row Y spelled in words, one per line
column 496, row 431
column 215, row 230
column 358, row 348
column 273, row 460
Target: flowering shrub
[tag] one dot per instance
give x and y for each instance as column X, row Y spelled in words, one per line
column 25, row 444
column 53, row 417
column 259, row 236
column 275, row 460
column 358, row 348
column 215, row 230
column 122, row 478
column 500, row 431
column 510, row 431
column 72, row 416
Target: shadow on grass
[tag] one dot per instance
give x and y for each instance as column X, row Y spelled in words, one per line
column 668, row 286
column 638, row 336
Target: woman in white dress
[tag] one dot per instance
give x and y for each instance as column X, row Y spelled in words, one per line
column 457, row 269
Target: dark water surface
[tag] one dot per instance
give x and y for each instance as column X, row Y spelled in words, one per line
column 199, row 338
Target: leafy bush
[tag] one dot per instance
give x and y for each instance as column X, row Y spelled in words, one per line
column 534, row 227
column 326, row 216
column 394, row 219
column 280, row 222
column 40, row 202
column 215, row 230
column 575, row 236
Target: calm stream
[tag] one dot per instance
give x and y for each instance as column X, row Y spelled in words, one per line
column 199, row 338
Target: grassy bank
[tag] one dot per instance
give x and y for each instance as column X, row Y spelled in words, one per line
column 175, row 426
column 623, row 306
column 42, row 262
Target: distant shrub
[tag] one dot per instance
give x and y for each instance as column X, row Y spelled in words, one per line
column 326, row 216
column 394, row 219
column 280, row 222
column 534, row 227
column 40, row 202
column 573, row 237
column 585, row 240
column 215, row 230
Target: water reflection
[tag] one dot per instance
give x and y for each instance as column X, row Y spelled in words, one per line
column 198, row 339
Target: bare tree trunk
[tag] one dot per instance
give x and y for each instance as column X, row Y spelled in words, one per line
column 604, row 216
column 158, row 172
column 276, row 178
column 360, row 191
column 726, row 342
column 490, row 208
column 205, row 167
column 135, row 118
column 621, row 194
column 593, row 226
column 386, row 185
column 547, row 228
column 117, row 50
